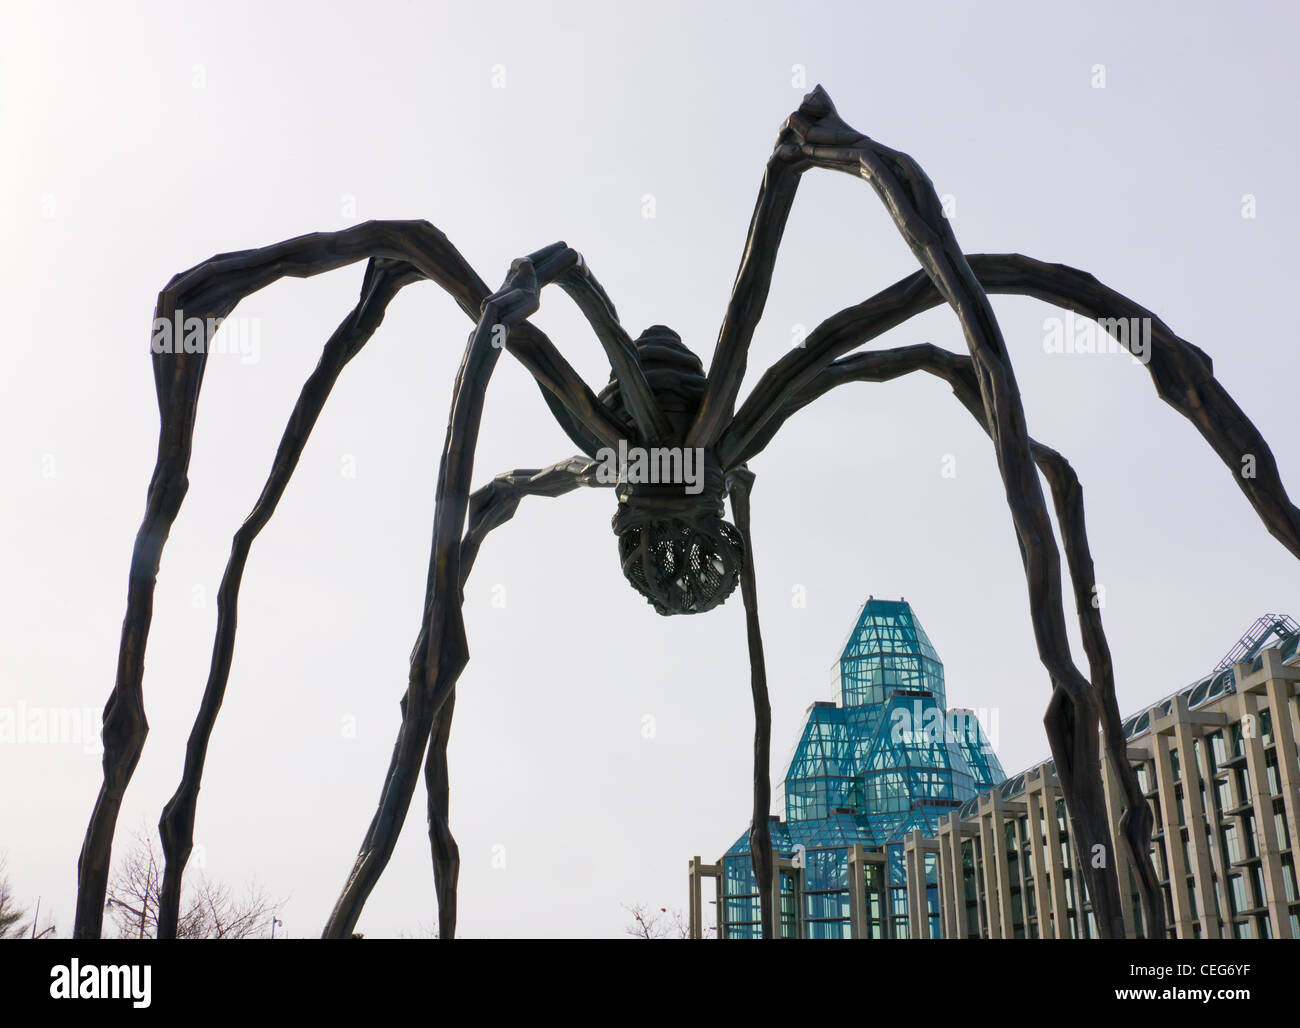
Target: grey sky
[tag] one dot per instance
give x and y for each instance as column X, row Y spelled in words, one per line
column 140, row 139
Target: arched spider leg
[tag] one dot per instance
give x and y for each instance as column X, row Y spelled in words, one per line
column 741, row 482
column 496, row 503
column 383, row 280
column 210, row 291
column 437, row 664
column 816, row 136
column 1183, row 377
column 1182, row 373
column 748, row 297
column 1136, row 821
column 489, row 507
column 599, row 311
column 577, row 280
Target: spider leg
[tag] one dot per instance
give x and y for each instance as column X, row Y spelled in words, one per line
column 496, row 503
column 1183, row 377
column 1136, row 821
column 1182, row 373
column 442, row 652
column 383, row 280
column 210, row 291
column 442, row 844
column 489, row 507
column 822, row 139
column 741, row 482
column 599, row 311
column 776, row 195
column 748, row 295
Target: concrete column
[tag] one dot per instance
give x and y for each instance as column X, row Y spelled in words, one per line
column 1080, row 884
column 1196, row 820
column 787, row 866
column 696, row 900
column 800, row 901
column 945, row 928
column 948, row 911
column 714, row 871
column 857, row 893
column 958, row 875
column 1175, row 859
column 1001, row 866
column 776, row 899
column 1214, row 818
column 1265, row 837
column 1123, row 866
column 1280, row 692
column 1055, row 865
column 1023, row 878
column 1043, row 902
column 914, row 866
column 986, row 865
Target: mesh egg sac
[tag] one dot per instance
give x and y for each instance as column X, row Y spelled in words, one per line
column 682, row 566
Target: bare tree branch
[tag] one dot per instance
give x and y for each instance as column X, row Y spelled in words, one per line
column 649, row 923
column 11, row 914
column 208, row 912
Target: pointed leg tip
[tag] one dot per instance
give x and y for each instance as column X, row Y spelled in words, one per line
column 817, row 102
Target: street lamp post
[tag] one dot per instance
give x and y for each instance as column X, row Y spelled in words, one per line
column 127, row 907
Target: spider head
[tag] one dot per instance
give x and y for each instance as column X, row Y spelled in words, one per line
column 675, row 548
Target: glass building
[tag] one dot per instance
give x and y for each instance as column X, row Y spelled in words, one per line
column 858, row 854
column 886, row 757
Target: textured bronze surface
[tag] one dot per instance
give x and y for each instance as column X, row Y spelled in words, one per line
column 674, row 545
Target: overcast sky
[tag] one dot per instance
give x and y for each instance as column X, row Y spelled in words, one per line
column 140, row 139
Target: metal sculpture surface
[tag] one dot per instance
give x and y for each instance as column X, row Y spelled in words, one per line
column 674, row 545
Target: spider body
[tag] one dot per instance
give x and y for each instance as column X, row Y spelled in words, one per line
column 675, row 546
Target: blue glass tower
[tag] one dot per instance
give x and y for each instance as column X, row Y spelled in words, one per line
column 885, row 758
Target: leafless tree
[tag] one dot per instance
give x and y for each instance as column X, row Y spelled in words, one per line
column 210, row 910
column 651, row 923
column 12, row 914
column 421, row 931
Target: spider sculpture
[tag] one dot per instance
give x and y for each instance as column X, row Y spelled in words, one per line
column 674, row 544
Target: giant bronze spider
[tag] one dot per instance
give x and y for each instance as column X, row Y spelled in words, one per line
column 674, row 545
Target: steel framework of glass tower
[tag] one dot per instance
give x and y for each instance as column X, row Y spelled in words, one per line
column 885, row 758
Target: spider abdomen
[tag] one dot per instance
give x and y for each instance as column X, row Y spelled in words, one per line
column 681, row 565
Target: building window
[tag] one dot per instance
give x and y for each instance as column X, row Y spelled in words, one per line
column 1232, row 844
column 1271, row 774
